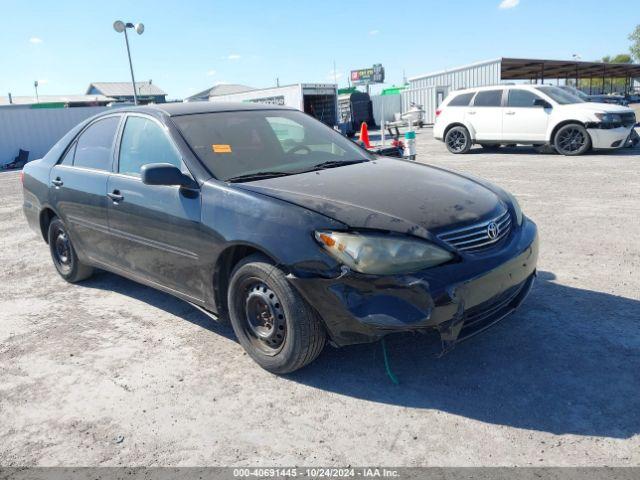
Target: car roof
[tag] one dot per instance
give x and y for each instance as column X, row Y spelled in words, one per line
column 190, row 108
column 523, row 86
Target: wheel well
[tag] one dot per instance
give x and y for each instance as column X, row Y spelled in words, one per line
column 559, row 126
column 449, row 127
column 227, row 261
column 46, row 215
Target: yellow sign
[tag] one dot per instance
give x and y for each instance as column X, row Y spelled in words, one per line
column 221, row 148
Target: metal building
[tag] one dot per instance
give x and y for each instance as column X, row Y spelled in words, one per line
column 147, row 92
column 474, row 75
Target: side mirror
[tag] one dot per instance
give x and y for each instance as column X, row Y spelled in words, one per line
column 539, row 102
column 165, row 174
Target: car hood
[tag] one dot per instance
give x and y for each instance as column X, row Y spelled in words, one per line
column 604, row 107
column 386, row 194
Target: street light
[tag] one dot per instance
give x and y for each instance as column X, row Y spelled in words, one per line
column 119, row 26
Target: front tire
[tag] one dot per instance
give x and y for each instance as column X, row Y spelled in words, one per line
column 572, row 139
column 64, row 255
column 458, row 140
column 273, row 323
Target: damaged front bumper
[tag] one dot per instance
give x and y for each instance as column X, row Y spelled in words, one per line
column 605, row 137
column 458, row 299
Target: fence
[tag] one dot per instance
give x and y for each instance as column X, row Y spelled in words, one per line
column 38, row 129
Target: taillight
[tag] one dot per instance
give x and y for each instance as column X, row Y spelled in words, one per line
column 21, row 177
column 438, row 112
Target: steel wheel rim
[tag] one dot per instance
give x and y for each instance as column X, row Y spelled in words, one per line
column 264, row 321
column 571, row 140
column 61, row 249
column 456, row 140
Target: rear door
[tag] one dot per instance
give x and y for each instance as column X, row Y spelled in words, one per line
column 523, row 120
column 485, row 115
column 156, row 228
column 79, row 182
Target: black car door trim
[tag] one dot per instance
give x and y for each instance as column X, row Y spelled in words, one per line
column 135, row 238
column 146, row 281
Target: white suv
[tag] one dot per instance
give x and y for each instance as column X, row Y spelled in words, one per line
column 531, row 115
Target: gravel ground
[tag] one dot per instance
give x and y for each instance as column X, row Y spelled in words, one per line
column 113, row 373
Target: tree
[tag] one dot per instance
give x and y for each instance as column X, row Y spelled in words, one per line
column 635, row 43
column 620, row 58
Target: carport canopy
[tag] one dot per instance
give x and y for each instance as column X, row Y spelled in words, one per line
column 528, row 69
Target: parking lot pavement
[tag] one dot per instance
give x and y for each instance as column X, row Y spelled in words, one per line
column 109, row 372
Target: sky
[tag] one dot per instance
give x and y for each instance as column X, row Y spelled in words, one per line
column 190, row 45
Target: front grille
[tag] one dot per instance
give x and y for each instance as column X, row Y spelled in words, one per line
column 480, row 236
column 486, row 314
column 628, row 119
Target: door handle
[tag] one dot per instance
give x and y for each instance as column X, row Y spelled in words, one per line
column 115, row 196
column 57, row 182
column 510, row 113
column 471, row 112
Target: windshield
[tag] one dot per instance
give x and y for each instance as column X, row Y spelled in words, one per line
column 262, row 143
column 559, row 95
column 576, row 92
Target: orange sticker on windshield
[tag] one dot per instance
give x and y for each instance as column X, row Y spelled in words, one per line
column 221, row 148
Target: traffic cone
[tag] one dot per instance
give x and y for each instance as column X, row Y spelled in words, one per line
column 364, row 135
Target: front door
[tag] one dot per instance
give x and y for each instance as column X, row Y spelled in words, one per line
column 80, row 188
column 523, row 120
column 156, row 228
column 485, row 115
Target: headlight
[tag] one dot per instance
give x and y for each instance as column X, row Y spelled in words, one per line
column 379, row 254
column 516, row 207
column 609, row 117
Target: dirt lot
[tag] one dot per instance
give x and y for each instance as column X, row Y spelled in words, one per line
column 110, row 372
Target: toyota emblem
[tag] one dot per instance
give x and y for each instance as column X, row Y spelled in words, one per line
column 492, row 231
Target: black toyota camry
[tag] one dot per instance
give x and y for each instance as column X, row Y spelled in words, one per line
column 266, row 217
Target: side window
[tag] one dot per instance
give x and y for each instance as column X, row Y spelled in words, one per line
column 144, row 141
column 488, row 98
column 461, row 100
column 521, row 98
column 93, row 148
column 68, row 157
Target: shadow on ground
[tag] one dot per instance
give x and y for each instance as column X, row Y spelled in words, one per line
column 567, row 362
column 529, row 150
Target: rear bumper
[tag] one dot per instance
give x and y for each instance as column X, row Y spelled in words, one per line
column 458, row 300
column 603, row 138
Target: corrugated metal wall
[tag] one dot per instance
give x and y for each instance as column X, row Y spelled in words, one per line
column 427, row 97
column 390, row 104
column 38, row 129
column 425, row 87
column 476, row 75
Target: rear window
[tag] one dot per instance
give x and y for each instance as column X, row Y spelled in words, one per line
column 462, row 100
column 488, row 98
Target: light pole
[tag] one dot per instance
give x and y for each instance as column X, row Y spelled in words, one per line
column 35, row 85
column 119, row 26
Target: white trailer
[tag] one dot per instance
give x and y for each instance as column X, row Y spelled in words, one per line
column 319, row 100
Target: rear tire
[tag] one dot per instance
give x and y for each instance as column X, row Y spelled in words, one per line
column 572, row 139
column 273, row 323
column 458, row 140
column 64, row 255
